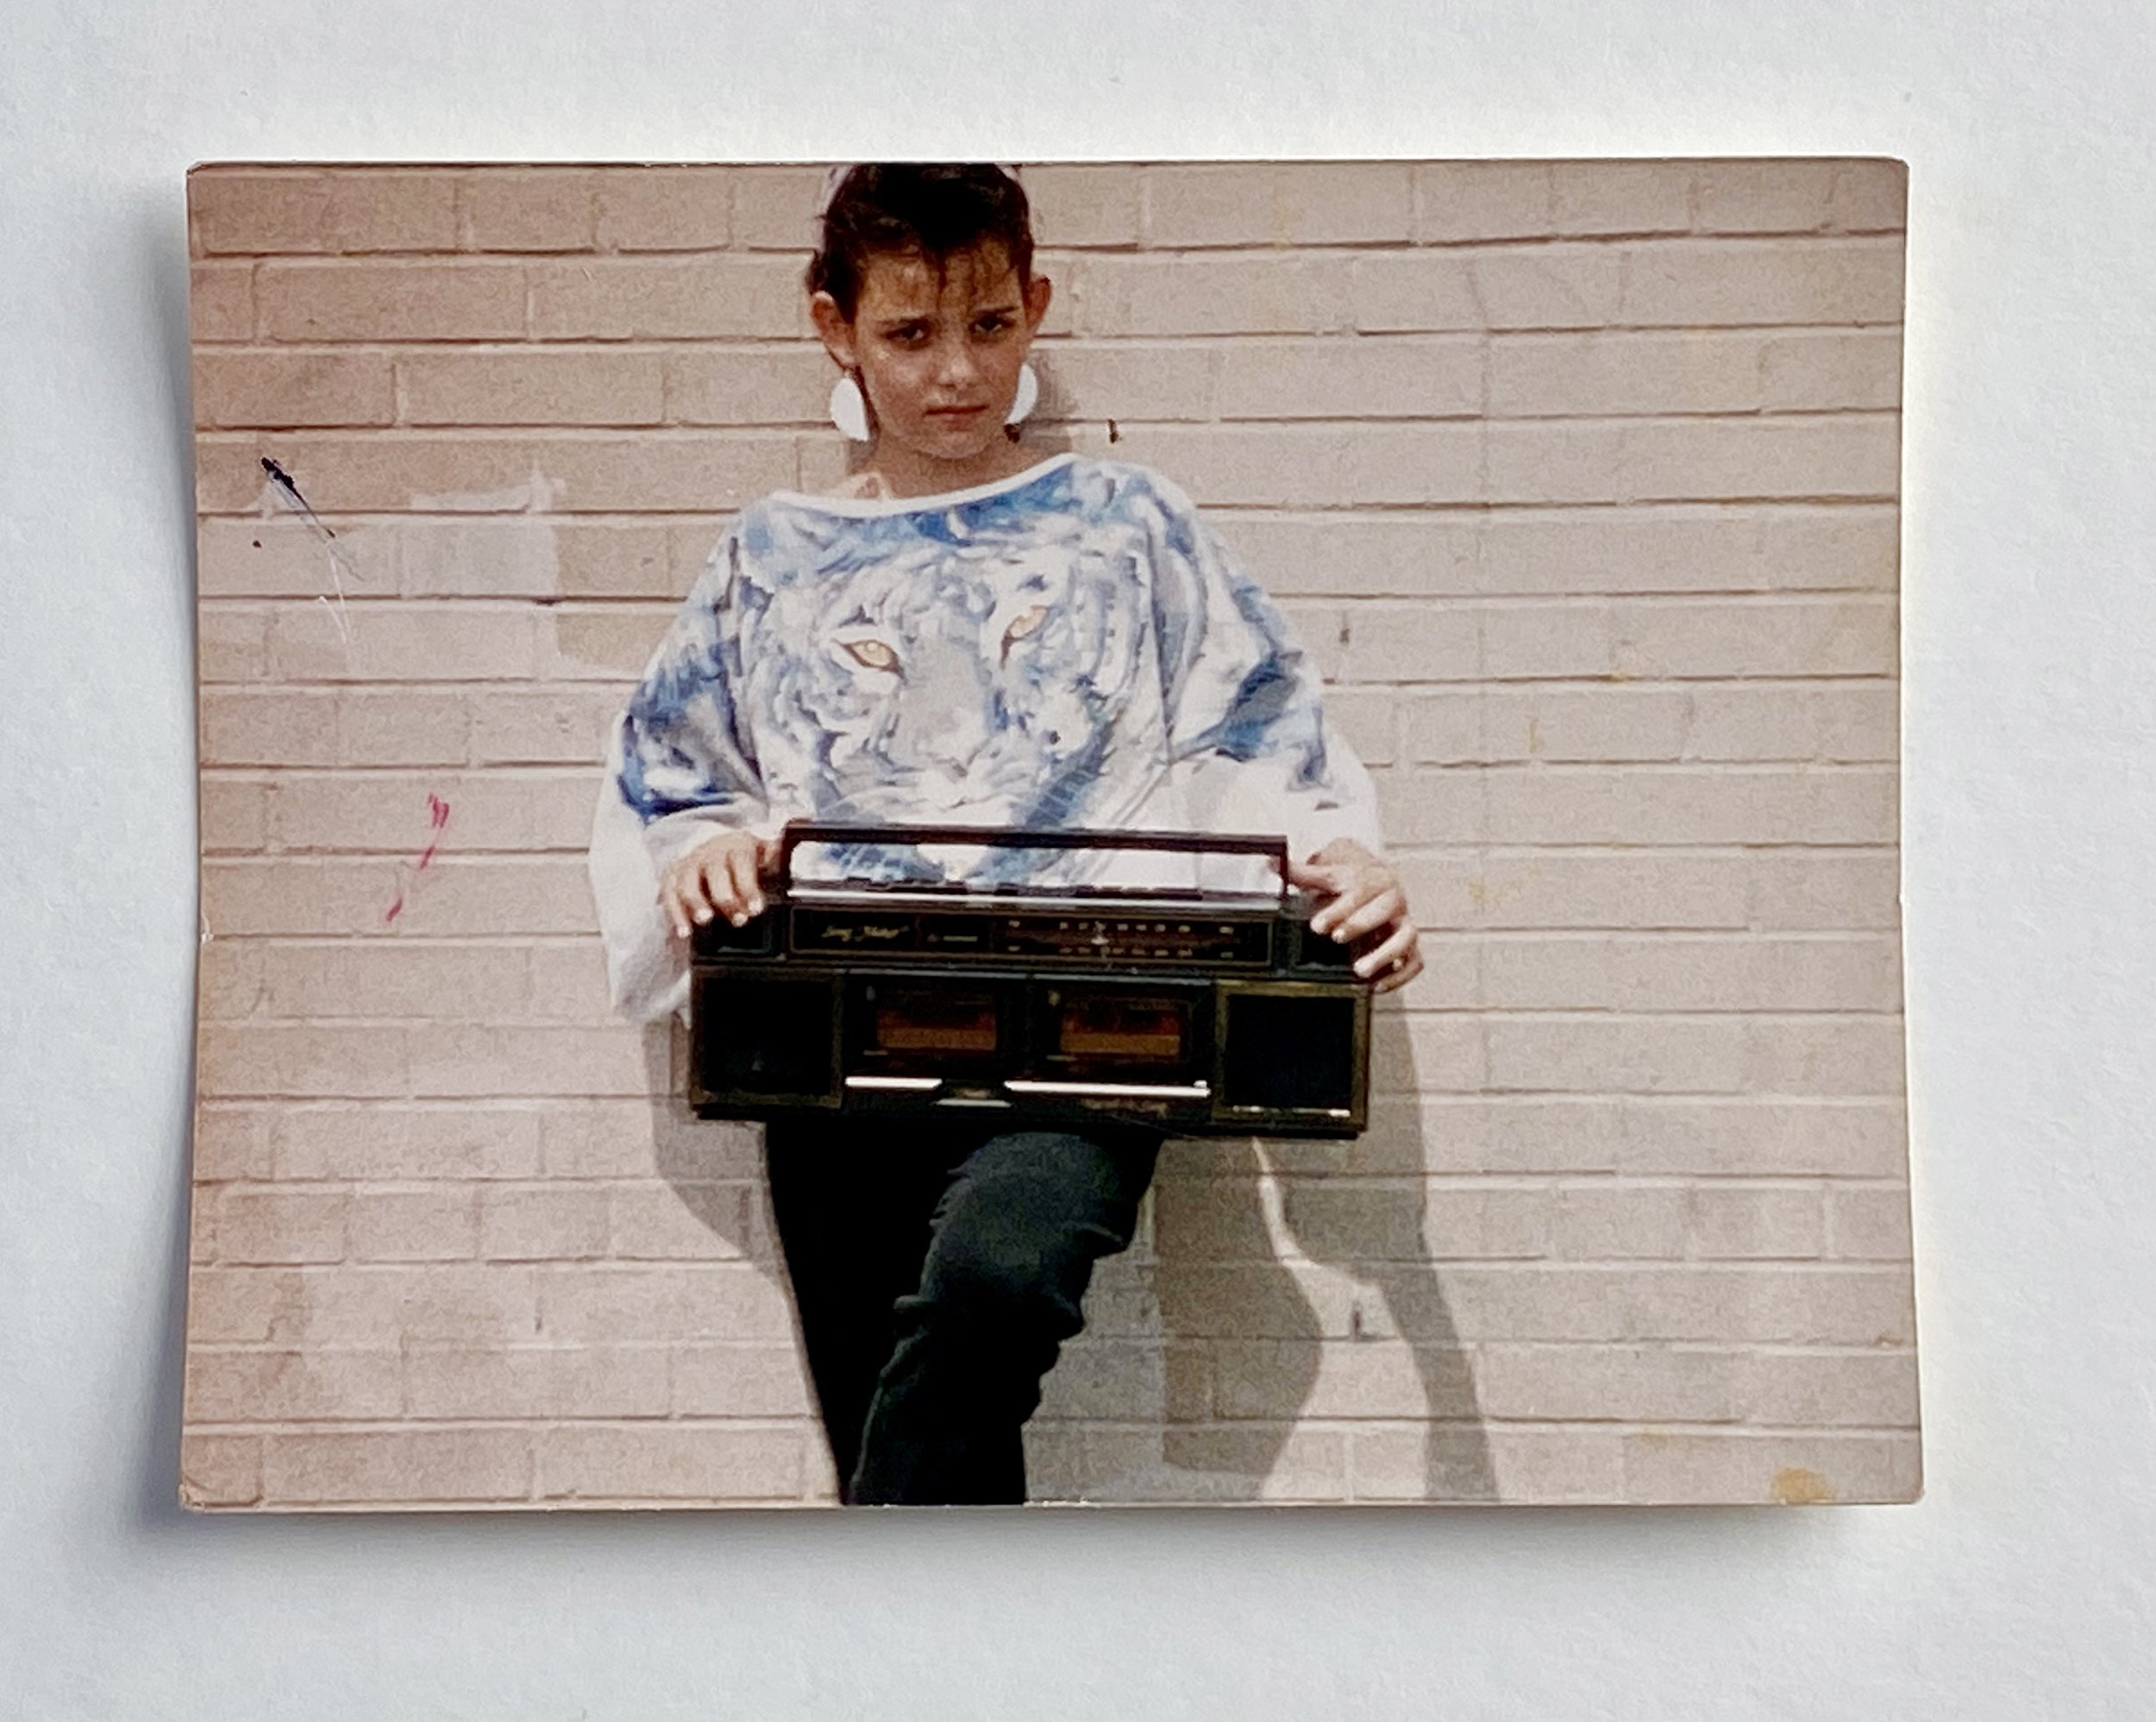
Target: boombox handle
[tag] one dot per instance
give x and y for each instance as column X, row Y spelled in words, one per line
column 1173, row 842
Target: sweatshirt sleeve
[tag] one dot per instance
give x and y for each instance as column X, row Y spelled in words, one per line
column 678, row 770
column 1246, row 720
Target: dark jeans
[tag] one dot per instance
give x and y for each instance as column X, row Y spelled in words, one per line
column 937, row 1269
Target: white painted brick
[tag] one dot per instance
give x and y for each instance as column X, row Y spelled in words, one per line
column 504, row 894
column 537, row 1381
column 728, row 1301
column 684, row 1221
column 1806, row 456
column 1232, row 293
column 1622, row 197
column 1824, row 890
column 738, row 1380
column 269, row 1225
column 1551, row 889
column 1580, row 1383
column 1771, row 1303
column 1636, row 1056
column 1830, row 370
column 1621, row 372
column 1732, row 1221
column 1671, row 971
column 424, row 1223
column 775, row 206
column 1673, row 548
column 220, row 1470
column 1394, row 293
column 396, row 1465
column 1408, row 642
column 1869, row 1222
column 390, row 977
column 359, row 1306
column 1483, row 200
column 1078, row 205
column 1877, row 1388
column 479, row 1058
column 1362, row 377
column 1686, row 283
column 1610, row 724
column 1301, row 202
column 519, row 809
column 1612, row 1222
column 568, row 982
column 1790, row 1469
column 1851, row 723
column 388, row 1141
column 1547, row 286
column 1848, row 1056
column 1848, row 1136
column 232, row 1140
column 1110, row 381
column 1352, row 555
column 251, row 1058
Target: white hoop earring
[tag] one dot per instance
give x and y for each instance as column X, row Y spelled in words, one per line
column 1028, row 397
column 849, row 410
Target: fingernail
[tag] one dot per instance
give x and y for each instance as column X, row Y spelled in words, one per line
column 738, row 918
column 756, row 906
column 703, row 914
column 1340, row 934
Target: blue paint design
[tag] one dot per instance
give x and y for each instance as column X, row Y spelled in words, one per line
column 1042, row 655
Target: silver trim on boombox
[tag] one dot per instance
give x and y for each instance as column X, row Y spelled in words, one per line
column 1150, row 1091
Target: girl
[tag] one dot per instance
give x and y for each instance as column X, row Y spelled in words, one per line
column 965, row 632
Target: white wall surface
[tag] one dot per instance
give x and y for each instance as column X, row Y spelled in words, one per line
column 2020, row 1586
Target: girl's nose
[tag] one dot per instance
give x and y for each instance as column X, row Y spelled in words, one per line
column 954, row 363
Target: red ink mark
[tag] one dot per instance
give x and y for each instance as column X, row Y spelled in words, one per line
column 437, row 817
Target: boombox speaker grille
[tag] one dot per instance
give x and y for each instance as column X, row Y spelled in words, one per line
column 1289, row 1051
column 766, row 1038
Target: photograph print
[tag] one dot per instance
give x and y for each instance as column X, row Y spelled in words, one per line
column 936, row 834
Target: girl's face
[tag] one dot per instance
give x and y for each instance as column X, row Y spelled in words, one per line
column 938, row 357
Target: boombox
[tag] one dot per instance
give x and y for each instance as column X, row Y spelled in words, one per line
column 1200, row 1012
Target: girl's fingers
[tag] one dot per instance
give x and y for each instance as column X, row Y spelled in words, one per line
column 743, row 899
column 1400, row 977
column 1327, row 883
column 1394, row 950
column 719, row 887
column 697, row 897
column 1371, row 913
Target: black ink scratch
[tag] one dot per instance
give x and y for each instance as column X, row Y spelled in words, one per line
column 1115, row 436
column 282, row 480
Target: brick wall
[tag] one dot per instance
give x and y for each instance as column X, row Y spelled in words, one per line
column 1579, row 480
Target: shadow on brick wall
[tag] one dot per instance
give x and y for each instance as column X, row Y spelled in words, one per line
column 1309, row 1349
column 716, row 1170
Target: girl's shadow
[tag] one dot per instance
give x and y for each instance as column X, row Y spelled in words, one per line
column 1281, row 1322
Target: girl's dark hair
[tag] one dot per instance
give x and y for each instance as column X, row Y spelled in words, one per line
column 932, row 210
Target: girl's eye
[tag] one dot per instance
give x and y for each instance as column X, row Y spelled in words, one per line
column 871, row 654
column 991, row 325
column 1025, row 627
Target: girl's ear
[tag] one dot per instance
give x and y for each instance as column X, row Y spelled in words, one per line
column 1038, row 291
column 834, row 330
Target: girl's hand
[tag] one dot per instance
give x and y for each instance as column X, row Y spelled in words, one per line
column 1364, row 897
column 723, row 876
